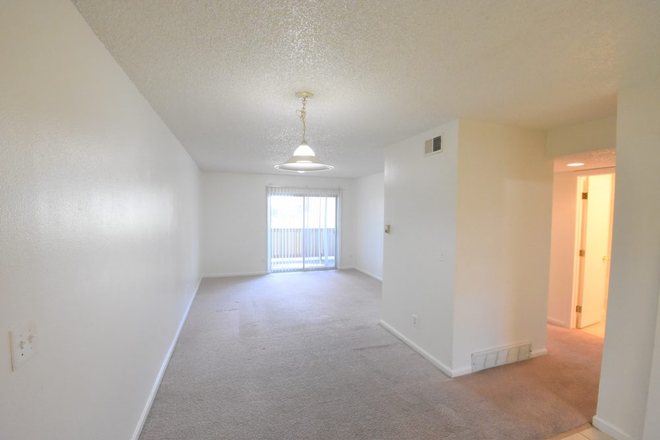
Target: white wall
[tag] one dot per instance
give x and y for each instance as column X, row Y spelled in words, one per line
column 98, row 230
column 562, row 249
column 635, row 267
column 599, row 134
column 503, row 239
column 652, row 422
column 563, row 245
column 234, row 219
column 470, row 242
column 420, row 205
column 369, row 226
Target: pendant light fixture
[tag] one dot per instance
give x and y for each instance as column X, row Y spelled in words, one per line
column 303, row 158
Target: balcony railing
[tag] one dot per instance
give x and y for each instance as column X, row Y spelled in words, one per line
column 289, row 245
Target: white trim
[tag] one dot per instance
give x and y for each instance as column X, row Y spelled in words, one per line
column 163, row 367
column 235, row 274
column 368, row 273
column 346, row 268
column 426, row 355
column 461, row 371
column 554, row 321
column 538, row 352
column 610, row 429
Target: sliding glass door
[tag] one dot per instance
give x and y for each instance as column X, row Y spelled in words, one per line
column 302, row 229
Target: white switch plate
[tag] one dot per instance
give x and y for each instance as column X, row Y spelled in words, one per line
column 24, row 343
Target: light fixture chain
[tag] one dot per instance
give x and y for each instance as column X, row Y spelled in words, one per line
column 302, row 114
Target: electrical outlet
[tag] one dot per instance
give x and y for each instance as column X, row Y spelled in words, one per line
column 414, row 320
column 24, row 343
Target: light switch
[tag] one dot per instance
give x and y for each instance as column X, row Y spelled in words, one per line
column 24, row 343
column 387, row 229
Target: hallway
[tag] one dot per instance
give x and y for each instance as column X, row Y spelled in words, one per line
column 301, row 356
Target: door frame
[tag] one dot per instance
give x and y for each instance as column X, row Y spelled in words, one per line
column 580, row 235
column 304, row 193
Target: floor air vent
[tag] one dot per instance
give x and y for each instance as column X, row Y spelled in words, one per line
column 501, row 356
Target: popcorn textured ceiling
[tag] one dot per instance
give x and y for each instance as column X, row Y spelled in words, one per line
column 592, row 160
column 222, row 74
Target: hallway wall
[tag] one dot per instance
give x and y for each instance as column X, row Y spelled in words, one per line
column 99, row 232
column 635, row 276
column 563, row 245
column 419, row 253
column 598, row 134
column 469, row 249
column 503, row 239
column 562, row 249
column 369, row 226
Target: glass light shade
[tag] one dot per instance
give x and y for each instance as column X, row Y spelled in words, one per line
column 304, row 150
column 303, row 159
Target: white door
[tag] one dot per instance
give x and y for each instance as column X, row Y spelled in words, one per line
column 596, row 245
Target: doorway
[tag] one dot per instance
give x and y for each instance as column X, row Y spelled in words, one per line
column 303, row 229
column 578, row 287
column 594, row 228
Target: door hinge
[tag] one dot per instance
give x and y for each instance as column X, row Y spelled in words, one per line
column 582, row 252
column 585, row 196
column 578, row 309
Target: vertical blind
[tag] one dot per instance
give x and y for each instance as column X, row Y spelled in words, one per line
column 303, row 228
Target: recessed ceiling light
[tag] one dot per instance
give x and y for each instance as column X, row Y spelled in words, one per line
column 575, row 164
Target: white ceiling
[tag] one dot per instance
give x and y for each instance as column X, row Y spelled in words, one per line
column 592, row 160
column 222, row 74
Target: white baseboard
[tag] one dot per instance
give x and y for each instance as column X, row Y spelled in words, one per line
column 557, row 322
column 235, row 274
column 456, row 372
column 539, row 352
column 345, row 268
column 368, row 273
column 163, row 367
column 610, row 429
column 426, row 355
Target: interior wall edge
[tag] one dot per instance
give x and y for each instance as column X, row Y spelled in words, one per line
column 163, row 368
column 597, row 134
column 234, row 274
column 610, row 429
column 425, row 354
column 376, row 277
column 557, row 322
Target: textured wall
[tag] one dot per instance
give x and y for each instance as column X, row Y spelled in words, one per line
column 634, row 274
column 503, row 239
column 599, row 134
column 418, row 264
column 369, row 224
column 652, row 423
column 235, row 221
column 98, row 230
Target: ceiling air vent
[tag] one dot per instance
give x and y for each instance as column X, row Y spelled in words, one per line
column 433, row 146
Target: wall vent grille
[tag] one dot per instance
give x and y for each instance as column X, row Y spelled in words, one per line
column 501, row 356
column 433, row 146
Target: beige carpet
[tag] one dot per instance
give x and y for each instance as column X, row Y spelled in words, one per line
column 301, row 356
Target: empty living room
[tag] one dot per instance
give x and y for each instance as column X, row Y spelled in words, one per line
column 329, row 220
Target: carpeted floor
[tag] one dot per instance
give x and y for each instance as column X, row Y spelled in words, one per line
column 301, row 356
